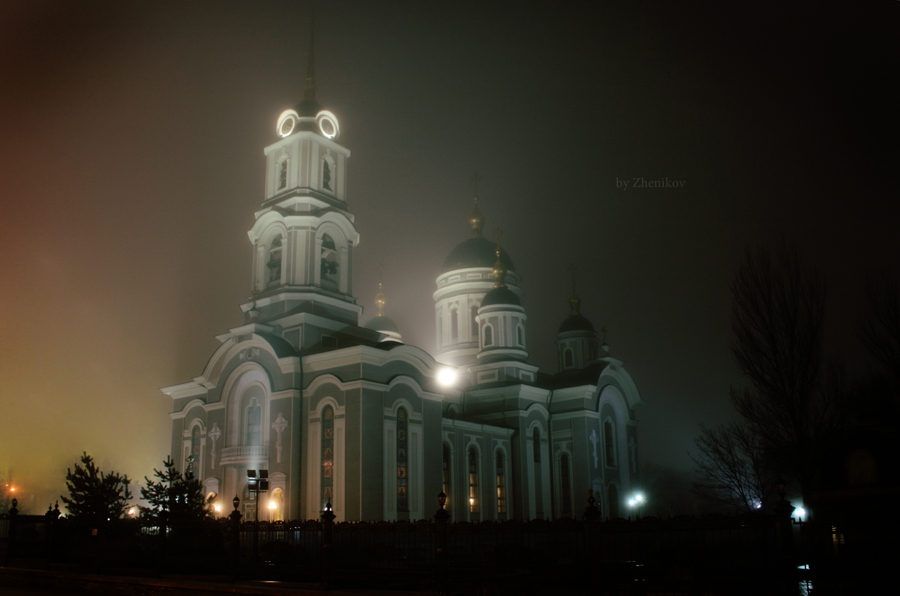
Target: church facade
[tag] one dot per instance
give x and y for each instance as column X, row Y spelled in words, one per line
column 346, row 414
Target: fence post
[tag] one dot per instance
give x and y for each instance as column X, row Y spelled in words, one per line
column 783, row 511
column 163, row 521
column 327, row 528
column 51, row 518
column 591, row 518
column 11, row 533
column 235, row 517
column 440, row 527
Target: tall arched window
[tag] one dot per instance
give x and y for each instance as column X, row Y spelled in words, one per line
column 474, row 323
column 274, row 263
column 330, row 264
column 254, row 424
column 488, row 335
column 195, row 450
column 520, row 335
column 326, row 175
column 569, row 358
column 501, row 485
column 327, row 455
column 282, row 174
column 445, row 474
column 609, row 443
column 454, row 325
column 473, row 480
column 276, row 505
column 402, row 468
column 566, row 489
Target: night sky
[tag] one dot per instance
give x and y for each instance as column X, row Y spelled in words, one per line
column 131, row 163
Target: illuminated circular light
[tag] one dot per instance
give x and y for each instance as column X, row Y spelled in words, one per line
column 271, row 504
column 328, row 124
column 287, row 127
column 217, row 508
column 447, row 377
column 328, row 128
column 287, row 123
column 801, row 512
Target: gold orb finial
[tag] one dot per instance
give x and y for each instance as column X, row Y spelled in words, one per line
column 499, row 269
column 379, row 298
column 476, row 221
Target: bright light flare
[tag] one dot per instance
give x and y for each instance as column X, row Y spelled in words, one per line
column 447, row 376
column 801, row 512
column 272, row 505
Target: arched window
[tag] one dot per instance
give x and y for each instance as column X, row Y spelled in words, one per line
column 330, row 264
column 566, row 488
column 454, row 325
column 282, row 174
column 609, row 444
column 488, row 335
column 474, row 323
column 501, row 485
column 276, row 505
column 274, row 263
column 445, row 474
column 254, row 424
column 194, row 466
column 326, row 175
column 520, row 335
column 327, row 455
column 473, row 480
column 569, row 358
column 440, row 329
column 402, row 468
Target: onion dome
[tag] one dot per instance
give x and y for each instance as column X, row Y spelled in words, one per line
column 500, row 293
column 576, row 321
column 477, row 251
column 381, row 322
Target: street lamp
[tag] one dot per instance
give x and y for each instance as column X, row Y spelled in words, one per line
column 638, row 501
column 256, row 483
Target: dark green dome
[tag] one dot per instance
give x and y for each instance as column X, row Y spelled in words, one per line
column 501, row 295
column 476, row 252
column 382, row 323
column 576, row 323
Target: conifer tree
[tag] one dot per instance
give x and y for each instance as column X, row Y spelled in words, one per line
column 181, row 495
column 93, row 494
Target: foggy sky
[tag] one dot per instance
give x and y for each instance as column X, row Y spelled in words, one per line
column 131, row 144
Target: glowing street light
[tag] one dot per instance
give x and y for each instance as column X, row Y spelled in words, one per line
column 638, row 501
column 447, row 376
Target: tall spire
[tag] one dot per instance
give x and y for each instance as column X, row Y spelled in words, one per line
column 309, row 85
column 575, row 299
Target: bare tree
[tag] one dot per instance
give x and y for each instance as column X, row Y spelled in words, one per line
column 795, row 404
column 732, row 468
column 881, row 328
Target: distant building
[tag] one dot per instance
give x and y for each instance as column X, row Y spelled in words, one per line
column 348, row 414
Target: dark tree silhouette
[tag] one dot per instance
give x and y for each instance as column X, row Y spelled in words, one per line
column 795, row 405
column 93, row 494
column 181, row 495
column 732, row 468
column 881, row 328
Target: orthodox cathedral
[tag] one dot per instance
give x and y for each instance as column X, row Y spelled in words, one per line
column 347, row 414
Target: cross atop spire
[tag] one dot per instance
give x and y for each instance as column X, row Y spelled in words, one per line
column 575, row 299
column 309, row 85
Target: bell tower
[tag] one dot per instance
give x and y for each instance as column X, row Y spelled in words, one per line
column 304, row 234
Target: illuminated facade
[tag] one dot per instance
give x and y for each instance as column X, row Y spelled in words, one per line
column 347, row 414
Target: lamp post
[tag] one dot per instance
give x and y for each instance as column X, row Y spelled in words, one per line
column 638, row 501
column 440, row 518
column 257, row 483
